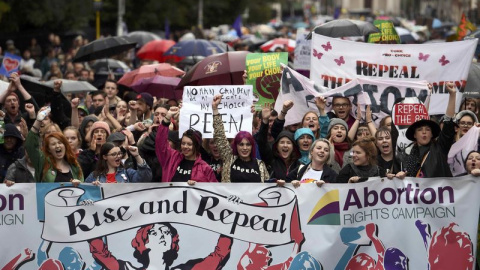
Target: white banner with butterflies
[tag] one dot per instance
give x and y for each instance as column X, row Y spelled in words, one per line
column 336, row 62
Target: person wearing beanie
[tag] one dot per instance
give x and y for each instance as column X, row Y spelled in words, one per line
column 85, row 126
column 337, row 134
column 426, row 157
column 304, row 138
column 144, row 106
column 283, row 156
column 185, row 165
column 464, row 120
column 55, row 161
column 96, row 137
column 11, row 149
column 240, row 163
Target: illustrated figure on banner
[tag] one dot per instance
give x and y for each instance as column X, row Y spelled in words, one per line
column 447, row 248
column 156, row 246
column 387, row 259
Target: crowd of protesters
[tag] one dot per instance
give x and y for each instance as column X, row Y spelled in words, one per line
column 112, row 136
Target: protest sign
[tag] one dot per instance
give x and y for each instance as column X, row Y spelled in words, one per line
column 335, row 62
column 387, row 35
column 264, row 73
column 241, row 226
column 302, row 51
column 404, row 113
column 235, row 109
column 379, row 94
column 10, row 64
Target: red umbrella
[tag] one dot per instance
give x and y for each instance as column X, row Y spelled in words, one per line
column 149, row 71
column 218, row 69
column 159, row 86
column 155, row 49
column 271, row 45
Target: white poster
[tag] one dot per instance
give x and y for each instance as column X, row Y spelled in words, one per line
column 235, row 109
column 336, row 61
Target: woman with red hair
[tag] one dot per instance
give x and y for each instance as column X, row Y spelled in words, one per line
column 239, row 161
column 156, row 247
column 56, row 161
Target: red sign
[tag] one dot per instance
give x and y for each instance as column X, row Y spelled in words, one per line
column 407, row 113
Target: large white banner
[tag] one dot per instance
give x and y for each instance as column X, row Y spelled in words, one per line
column 241, row 226
column 336, row 61
column 235, row 109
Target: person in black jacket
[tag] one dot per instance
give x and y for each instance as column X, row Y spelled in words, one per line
column 364, row 163
column 283, row 156
column 11, row 149
column 427, row 156
column 318, row 170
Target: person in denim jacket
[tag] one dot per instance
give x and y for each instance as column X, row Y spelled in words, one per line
column 110, row 168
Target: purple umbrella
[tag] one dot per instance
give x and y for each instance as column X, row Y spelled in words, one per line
column 159, row 86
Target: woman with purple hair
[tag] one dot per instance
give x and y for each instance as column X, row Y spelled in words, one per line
column 239, row 161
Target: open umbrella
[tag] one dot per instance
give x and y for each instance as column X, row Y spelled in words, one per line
column 271, row 45
column 142, row 37
column 345, row 28
column 159, row 86
column 149, row 71
column 219, row 69
column 110, row 65
column 406, row 36
column 473, row 81
column 155, row 49
column 196, row 47
column 103, row 48
column 41, row 91
column 71, row 86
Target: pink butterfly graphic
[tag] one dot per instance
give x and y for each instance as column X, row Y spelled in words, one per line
column 327, row 46
column 423, row 57
column 317, row 54
column 443, row 60
column 339, row 61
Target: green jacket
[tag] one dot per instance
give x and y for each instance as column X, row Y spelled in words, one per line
column 32, row 145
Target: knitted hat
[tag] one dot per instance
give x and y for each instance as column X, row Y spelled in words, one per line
column 463, row 113
column 147, row 98
column 303, row 131
column 116, row 137
column 97, row 125
column 337, row 121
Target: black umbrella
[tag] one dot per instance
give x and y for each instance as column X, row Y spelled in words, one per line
column 41, row 91
column 142, row 37
column 473, row 81
column 345, row 28
column 103, row 48
column 112, row 65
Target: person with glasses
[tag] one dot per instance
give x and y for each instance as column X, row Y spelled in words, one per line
column 110, row 168
column 341, row 108
column 187, row 164
column 465, row 120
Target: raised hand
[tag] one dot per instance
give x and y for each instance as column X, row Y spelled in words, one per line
column 173, row 111
column 57, row 84
column 133, row 151
column 216, row 100
column 451, row 88
column 75, row 102
column 287, row 105
column 30, row 108
column 132, row 104
column 368, row 114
